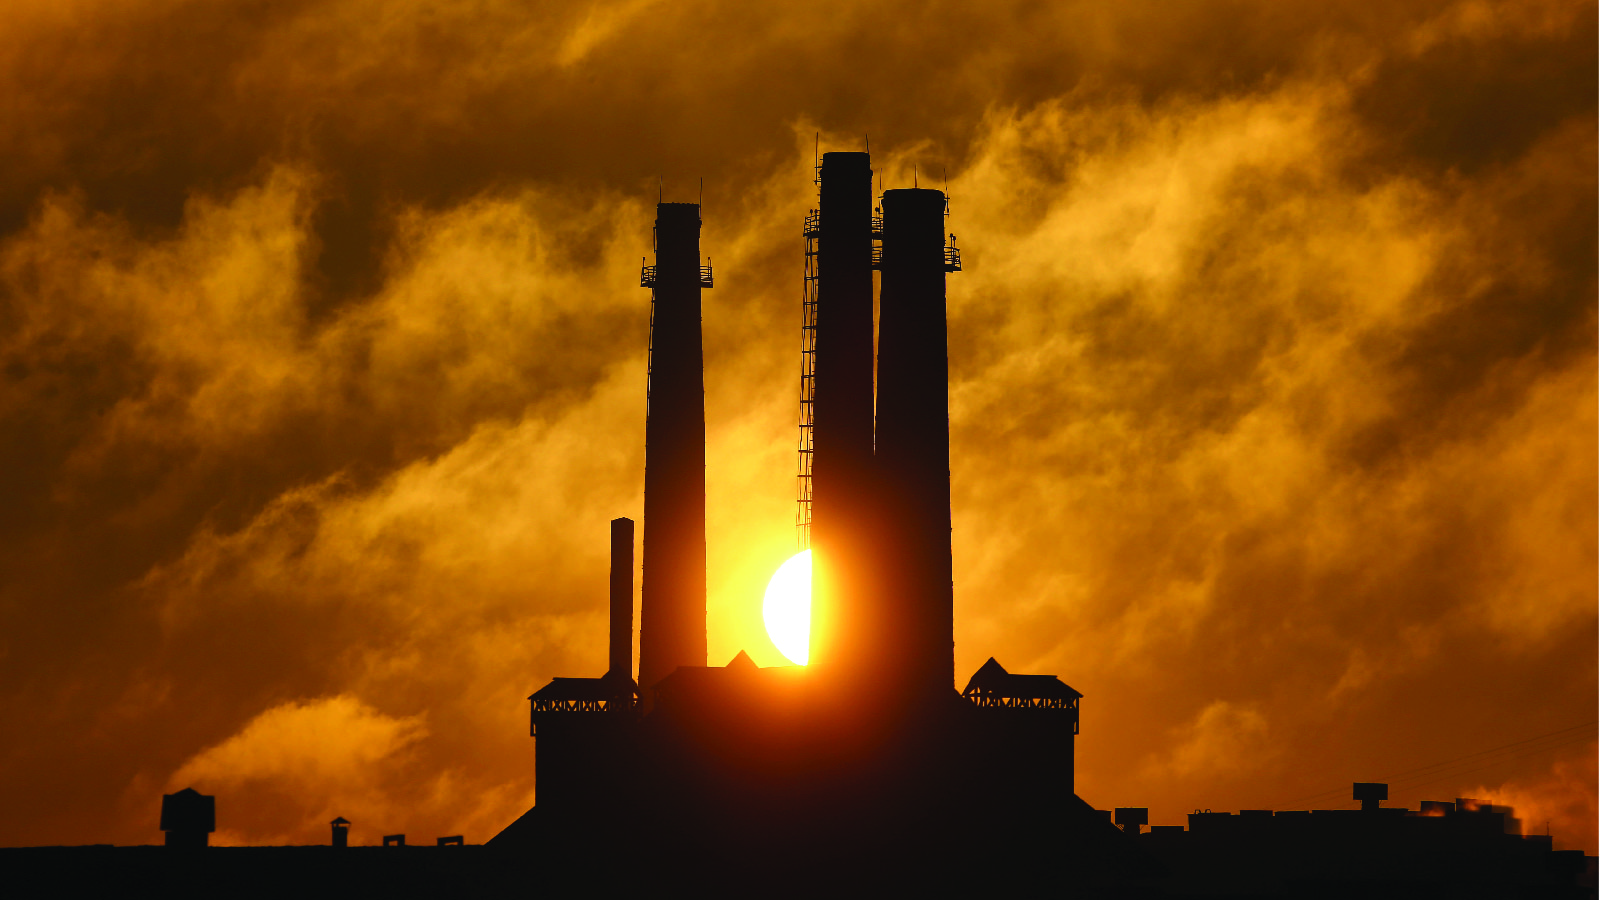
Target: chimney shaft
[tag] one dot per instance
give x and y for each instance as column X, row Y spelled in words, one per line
column 621, row 599
column 672, row 609
column 841, row 465
column 913, row 437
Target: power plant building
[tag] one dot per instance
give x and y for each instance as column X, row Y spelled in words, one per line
column 869, row 749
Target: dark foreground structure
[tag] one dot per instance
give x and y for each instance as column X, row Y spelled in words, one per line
column 866, row 772
column 1447, row 850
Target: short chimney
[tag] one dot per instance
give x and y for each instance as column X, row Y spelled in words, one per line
column 622, row 602
column 1131, row 817
column 341, row 832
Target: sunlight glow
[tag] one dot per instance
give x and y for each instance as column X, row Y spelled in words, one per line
column 787, row 608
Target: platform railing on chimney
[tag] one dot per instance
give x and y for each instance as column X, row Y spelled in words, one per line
column 647, row 276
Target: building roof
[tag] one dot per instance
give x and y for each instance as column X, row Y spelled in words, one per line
column 740, row 676
column 579, row 689
column 188, row 810
column 573, row 689
column 992, row 679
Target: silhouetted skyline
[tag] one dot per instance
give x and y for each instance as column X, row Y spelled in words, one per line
column 322, row 368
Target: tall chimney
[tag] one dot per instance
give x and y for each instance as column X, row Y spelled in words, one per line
column 621, row 600
column 913, row 437
column 672, row 609
column 841, row 466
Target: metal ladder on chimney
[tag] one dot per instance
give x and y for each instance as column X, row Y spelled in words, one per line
column 808, row 377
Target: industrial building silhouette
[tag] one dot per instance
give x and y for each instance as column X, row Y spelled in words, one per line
column 865, row 771
column 868, row 754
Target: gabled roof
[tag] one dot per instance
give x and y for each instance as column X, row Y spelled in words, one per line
column 573, row 689
column 992, row 678
column 740, row 665
column 725, row 690
column 580, row 689
column 340, row 821
column 188, row 810
column 988, row 673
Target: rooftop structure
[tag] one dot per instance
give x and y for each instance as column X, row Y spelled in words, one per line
column 188, row 817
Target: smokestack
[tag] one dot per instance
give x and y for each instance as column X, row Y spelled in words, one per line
column 913, row 436
column 672, row 609
column 841, row 466
column 622, row 599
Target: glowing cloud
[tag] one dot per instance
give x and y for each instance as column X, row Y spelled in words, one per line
column 316, row 744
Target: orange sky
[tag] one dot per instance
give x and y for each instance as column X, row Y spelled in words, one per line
column 1273, row 381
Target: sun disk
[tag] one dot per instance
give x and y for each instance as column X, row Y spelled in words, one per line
column 786, row 609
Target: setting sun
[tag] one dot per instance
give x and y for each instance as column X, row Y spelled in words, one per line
column 787, row 608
